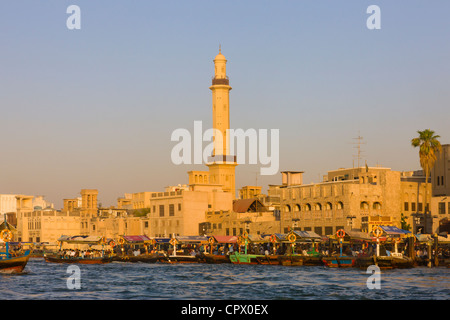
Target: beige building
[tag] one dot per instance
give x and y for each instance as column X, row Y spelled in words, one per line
column 440, row 202
column 354, row 198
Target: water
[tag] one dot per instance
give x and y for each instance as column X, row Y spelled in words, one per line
column 140, row 281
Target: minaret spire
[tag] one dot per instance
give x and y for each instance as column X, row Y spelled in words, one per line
column 222, row 168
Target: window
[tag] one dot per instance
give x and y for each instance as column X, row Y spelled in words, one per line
column 146, row 224
column 420, row 207
column 227, row 231
column 442, row 207
column 318, row 230
column 406, row 206
column 179, row 207
column 161, row 210
column 413, row 206
column 234, row 231
column 171, row 210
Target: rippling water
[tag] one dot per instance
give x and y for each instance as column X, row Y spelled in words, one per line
column 42, row 280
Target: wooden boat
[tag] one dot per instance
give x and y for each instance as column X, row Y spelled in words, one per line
column 145, row 258
column 215, row 258
column 385, row 262
column 239, row 258
column 300, row 260
column 339, row 261
column 179, row 259
column 10, row 264
column 79, row 260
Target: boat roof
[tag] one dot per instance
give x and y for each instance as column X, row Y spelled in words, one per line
column 137, row 238
column 192, row 239
column 80, row 239
column 391, row 230
column 225, row 239
column 306, row 234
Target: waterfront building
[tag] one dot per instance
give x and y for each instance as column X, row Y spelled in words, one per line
column 440, row 180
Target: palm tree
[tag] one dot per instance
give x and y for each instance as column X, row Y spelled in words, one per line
column 429, row 145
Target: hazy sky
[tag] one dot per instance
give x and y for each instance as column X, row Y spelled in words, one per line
column 95, row 107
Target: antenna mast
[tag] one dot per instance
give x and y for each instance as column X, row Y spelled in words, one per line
column 358, row 144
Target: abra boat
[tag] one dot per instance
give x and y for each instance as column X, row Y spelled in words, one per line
column 80, row 240
column 8, row 262
column 340, row 261
column 221, row 244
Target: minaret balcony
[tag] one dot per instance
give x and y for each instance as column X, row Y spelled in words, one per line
column 224, row 81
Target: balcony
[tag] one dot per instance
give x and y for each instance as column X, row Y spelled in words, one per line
column 221, row 81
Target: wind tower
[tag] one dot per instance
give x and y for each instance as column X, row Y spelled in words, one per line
column 221, row 165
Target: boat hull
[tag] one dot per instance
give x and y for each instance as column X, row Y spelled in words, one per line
column 385, row 262
column 135, row 259
column 299, row 260
column 179, row 259
column 54, row 259
column 14, row 265
column 238, row 258
column 339, row 262
column 216, row 259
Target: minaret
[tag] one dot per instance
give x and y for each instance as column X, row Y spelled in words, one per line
column 222, row 168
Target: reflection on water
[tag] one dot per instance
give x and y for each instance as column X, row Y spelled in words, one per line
column 226, row 281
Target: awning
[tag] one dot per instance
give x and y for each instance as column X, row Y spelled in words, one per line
column 80, row 239
column 307, row 235
column 192, row 239
column 226, row 239
column 393, row 231
column 161, row 240
column 428, row 238
column 142, row 238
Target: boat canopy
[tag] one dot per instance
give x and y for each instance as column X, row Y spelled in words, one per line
column 161, row 240
column 394, row 231
column 358, row 235
column 306, row 235
column 225, row 239
column 192, row 239
column 81, row 239
column 136, row 239
column 429, row 238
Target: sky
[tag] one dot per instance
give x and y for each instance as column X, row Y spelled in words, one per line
column 96, row 107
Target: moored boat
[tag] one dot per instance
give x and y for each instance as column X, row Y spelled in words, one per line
column 10, row 263
column 88, row 256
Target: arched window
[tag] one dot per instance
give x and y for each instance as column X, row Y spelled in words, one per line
column 364, row 205
column 307, row 207
column 296, row 208
column 339, row 205
column 318, row 206
column 328, row 206
column 287, row 208
column 377, row 206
